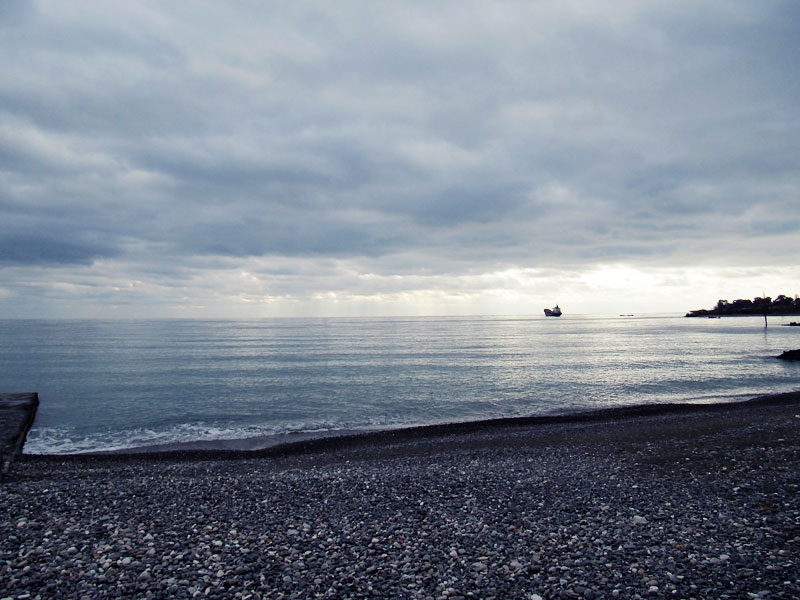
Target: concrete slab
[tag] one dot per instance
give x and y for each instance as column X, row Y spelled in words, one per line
column 17, row 412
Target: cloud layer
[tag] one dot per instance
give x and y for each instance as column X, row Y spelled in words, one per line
column 280, row 158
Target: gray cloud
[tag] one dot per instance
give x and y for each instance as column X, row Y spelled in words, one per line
column 448, row 139
column 42, row 250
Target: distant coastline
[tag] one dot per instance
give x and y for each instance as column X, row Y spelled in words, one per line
column 781, row 306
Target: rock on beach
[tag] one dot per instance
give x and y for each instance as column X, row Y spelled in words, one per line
column 675, row 505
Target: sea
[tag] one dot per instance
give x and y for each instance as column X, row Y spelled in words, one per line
column 112, row 385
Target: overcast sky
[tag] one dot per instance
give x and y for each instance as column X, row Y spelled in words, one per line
column 251, row 158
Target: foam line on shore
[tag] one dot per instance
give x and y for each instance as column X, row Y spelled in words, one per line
column 297, row 444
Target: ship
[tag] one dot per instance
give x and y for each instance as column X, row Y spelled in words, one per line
column 552, row 312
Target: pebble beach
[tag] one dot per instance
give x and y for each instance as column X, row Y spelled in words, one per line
column 700, row 503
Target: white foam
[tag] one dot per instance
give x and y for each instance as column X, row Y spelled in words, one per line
column 56, row 440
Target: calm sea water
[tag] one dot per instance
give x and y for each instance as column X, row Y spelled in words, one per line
column 107, row 385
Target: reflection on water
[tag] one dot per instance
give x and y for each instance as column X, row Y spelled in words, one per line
column 110, row 384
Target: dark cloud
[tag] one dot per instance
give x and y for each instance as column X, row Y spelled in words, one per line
column 38, row 251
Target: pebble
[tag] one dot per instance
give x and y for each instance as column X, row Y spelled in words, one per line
column 522, row 519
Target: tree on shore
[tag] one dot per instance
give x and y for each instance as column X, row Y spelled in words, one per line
column 782, row 305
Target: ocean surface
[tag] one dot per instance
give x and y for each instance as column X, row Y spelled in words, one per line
column 111, row 385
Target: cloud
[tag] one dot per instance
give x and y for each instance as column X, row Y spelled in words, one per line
column 38, row 251
column 162, row 143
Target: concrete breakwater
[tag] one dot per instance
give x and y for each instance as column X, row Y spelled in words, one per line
column 17, row 412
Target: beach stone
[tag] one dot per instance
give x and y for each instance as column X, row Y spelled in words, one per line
column 527, row 515
column 17, row 412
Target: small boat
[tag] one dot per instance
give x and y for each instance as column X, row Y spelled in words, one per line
column 552, row 312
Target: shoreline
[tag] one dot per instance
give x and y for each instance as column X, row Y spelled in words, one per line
column 680, row 501
column 305, row 443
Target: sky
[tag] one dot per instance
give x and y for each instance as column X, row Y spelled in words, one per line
column 253, row 158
